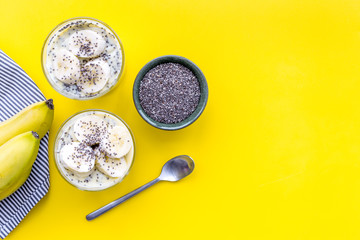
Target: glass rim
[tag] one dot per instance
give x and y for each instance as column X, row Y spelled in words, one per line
column 43, row 57
column 56, row 143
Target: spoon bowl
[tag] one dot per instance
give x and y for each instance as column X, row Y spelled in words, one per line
column 177, row 168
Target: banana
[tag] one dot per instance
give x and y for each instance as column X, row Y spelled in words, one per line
column 16, row 159
column 79, row 158
column 37, row 117
column 86, row 44
column 67, row 67
column 94, row 76
column 111, row 166
column 117, row 143
column 90, row 129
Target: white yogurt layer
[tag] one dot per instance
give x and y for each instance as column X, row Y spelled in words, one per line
column 103, row 173
column 83, row 59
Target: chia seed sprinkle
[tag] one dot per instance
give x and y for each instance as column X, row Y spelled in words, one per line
column 169, row 93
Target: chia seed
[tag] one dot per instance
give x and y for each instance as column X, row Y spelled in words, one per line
column 169, row 93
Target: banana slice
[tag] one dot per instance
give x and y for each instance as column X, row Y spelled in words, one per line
column 94, row 76
column 117, row 143
column 90, row 129
column 86, row 44
column 78, row 158
column 112, row 167
column 67, row 67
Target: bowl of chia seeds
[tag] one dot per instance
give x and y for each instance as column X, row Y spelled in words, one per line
column 170, row 92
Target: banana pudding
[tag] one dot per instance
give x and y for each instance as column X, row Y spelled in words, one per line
column 83, row 58
column 94, row 150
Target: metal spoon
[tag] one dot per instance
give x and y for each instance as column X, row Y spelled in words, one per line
column 172, row 171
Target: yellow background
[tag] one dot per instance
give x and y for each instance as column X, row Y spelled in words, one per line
column 277, row 149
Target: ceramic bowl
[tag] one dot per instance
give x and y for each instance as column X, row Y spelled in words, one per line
column 204, row 92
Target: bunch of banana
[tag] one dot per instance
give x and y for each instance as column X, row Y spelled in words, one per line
column 19, row 144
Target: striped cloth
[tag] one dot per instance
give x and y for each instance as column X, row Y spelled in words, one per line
column 17, row 91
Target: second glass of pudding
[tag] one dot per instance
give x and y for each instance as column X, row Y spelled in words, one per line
column 82, row 58
column 94, row 150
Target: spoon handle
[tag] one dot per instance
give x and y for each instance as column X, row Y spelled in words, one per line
column 113, row 204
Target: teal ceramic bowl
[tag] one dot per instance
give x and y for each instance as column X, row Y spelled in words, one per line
column 204, row 92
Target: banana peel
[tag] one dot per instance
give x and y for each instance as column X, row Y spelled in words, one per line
column 37, row 117
column 16, row 159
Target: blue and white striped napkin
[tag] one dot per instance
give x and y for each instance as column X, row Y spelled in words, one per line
column 17, row 91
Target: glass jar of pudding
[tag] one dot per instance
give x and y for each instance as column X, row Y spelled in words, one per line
column 83, row 58
column 94, row 150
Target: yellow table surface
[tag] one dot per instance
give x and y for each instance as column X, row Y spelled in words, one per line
column 277, row 149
